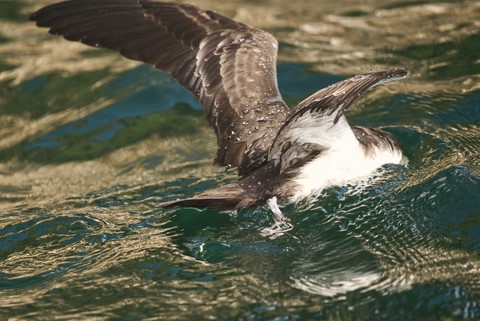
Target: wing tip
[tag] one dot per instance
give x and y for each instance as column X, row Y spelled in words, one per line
column 385, row 76
column 328, row 102
column 41, row 17
column 35, row 17
column 388, row 75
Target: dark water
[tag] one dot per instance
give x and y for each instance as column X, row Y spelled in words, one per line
column 91, row 143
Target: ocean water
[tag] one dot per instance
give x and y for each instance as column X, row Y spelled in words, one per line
column 91, row 143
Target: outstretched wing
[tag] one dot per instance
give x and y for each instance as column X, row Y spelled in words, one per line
column 319, row 123
column 229, row 66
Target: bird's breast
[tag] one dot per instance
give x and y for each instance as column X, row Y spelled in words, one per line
column 341, row 165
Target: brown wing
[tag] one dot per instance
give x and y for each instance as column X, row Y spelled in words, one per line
column 229, row 66
column 319, row 119
column 341, row 95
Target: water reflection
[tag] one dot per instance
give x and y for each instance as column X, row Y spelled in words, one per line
column 89, row 144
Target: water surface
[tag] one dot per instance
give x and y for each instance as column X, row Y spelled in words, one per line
column 90, row 143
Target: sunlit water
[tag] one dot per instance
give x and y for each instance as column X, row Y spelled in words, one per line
column 91, row 143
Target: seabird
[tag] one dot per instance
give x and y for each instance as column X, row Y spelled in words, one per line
column 281, row 155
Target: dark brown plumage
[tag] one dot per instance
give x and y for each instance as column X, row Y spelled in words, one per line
column 206, row 52
column 231, row 68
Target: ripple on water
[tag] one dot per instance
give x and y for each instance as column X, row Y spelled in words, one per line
column 39, row 250
column 427, row 240
column 389, row 240
column 48, row 249
column 404, row 248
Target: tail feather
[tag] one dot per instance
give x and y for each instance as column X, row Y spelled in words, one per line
column 200, row 202
column 231, row 196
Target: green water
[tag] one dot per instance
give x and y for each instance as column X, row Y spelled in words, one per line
column 90, row 143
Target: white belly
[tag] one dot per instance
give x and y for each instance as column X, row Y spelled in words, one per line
column 336, row 167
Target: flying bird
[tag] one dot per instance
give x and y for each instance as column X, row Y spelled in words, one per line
column 282, row 155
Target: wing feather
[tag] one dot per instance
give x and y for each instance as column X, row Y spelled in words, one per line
column 228, row 65
column 320, row 118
